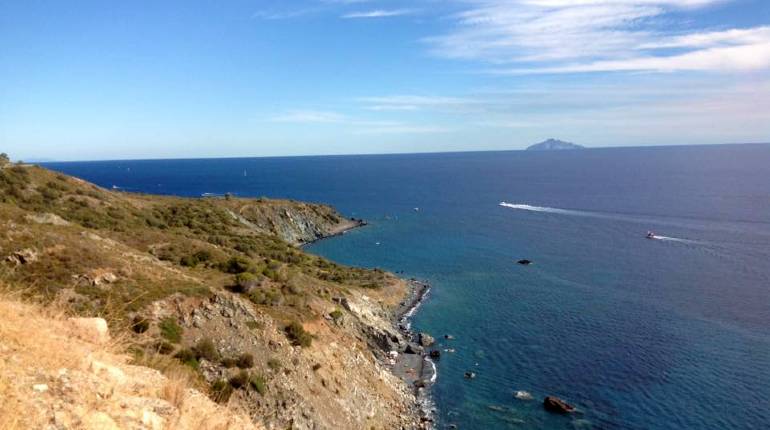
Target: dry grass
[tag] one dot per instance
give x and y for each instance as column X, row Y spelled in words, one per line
column 38, row 346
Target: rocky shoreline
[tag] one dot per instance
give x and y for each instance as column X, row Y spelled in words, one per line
column 404, row 356
column 413, row 365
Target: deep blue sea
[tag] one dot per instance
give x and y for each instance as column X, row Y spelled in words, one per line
column 670, row 333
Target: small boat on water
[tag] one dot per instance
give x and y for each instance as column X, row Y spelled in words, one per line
column 650, row 235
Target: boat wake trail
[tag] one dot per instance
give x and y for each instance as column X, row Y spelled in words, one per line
column 610, row 216
column 673, row 239
column 531, row 208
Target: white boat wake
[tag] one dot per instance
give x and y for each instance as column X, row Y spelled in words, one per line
column 621, row 217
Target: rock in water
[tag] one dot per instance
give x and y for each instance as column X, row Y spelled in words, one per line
column 523, row 395
column 436, row 354
column 426, row 340
column 557, row 405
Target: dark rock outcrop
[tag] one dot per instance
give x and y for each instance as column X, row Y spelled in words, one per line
column 557, row 405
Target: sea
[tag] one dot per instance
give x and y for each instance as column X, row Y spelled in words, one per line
column 667, row 332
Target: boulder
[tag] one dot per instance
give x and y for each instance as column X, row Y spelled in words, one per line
column 557, row 405
column 426, row 340
column 413, row 349
column 91, row 329
column 24, row 256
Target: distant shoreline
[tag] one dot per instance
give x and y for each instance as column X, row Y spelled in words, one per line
column 392, row 154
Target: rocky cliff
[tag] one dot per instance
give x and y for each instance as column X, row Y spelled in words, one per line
column 215, row 288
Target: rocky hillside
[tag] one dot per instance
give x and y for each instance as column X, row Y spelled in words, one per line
column 215, row 288
column 61, row 373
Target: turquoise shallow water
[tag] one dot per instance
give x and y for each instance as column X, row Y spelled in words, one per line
column 672, row 333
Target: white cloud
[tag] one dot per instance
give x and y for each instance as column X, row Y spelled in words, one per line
column 414, row 103
column 378, row 13
column 355, row 125
column 568, row 36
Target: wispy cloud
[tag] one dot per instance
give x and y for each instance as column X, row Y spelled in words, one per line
column 378, row 13
column 413, row 103
column 573, row 36
column 355, row 125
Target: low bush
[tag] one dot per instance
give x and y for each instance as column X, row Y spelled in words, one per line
column 236, row 265
column 188, row 357
column 221, row 391
column 170, row 330
column 274, row 364
column 240, row 379
column 258, row 383
column 205, row 348
column 245, row 361
column 229, row 362
column 297, row 335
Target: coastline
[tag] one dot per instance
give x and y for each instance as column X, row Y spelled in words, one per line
column 414, row 368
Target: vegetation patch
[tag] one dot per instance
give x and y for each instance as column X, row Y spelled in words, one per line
column 170, row 330
column 298, row 335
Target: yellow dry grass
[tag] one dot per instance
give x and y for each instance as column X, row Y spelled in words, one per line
column 87, row 382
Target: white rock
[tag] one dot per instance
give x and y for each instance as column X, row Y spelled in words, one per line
column 40, row 388
column 111, row 373
column 91, row 329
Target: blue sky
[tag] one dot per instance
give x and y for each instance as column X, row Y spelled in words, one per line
column 157, row 79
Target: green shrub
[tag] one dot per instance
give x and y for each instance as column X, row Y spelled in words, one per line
column 244, row 282
column 297, row 335
column 188, row 357
column 221, row 391
column 258, row 383
column 240, row 379
column 164, row 348
column 170, row 330
column 236, row 265
column 195, row 259
column 245, row 361
column 336, row 315
column 205, row 349
column 274, row 364
column 229, row 362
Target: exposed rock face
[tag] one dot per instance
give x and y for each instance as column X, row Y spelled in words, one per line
column 47, row 218
column 91, row 329
column 24, row 256
column 50, row 379
column 338, row 369
column 426, row 340
column 294, row 222
column 557, row 405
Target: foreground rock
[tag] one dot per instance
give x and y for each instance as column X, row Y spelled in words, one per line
column 557, row 405
column 51, row 378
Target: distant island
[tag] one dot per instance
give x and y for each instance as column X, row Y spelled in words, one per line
column 553, row 145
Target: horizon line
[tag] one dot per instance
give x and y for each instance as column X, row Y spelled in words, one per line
column 226, row 157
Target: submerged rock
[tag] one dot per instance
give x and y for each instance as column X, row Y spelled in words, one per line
column 435, row 353
column 557, row 405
